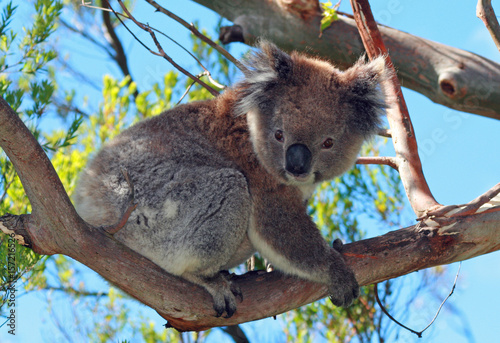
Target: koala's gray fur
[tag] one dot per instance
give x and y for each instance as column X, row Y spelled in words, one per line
column 217, row 180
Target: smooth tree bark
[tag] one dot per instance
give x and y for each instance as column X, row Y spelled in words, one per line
column 449, row 76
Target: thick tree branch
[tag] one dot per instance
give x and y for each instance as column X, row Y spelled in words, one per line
column 446, row 75
column 54, row 227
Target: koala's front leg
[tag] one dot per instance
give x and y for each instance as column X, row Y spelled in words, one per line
column 283, row 233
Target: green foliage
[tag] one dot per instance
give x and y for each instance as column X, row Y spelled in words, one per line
column 162, row 96
column 329, row 15
column 220, row 68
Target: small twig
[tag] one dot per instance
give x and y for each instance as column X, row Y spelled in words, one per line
column 385, row 133
column 88, row 5
column 443, row 216
column 161, row 51
column 485, row 12
column 198, row 34
column 375, row 289
column 475, row 204
column 120, row 57
column 445, row 299
column 385, row 160
column 112, row 229
column 205, row 73
column 185, row 93
column 150, row 30
column 418, row 333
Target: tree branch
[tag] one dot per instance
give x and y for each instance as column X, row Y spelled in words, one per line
column 120, row 57
column 160, row 52
column 485, row 12
column 385, row 160
column 54, row 227
column 449, row 76
column 198, row 34
column 403, row 135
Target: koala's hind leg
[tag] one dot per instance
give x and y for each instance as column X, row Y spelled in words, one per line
column 208, row 231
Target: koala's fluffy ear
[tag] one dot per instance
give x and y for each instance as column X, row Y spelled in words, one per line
column 364, row 86
column 265, row 67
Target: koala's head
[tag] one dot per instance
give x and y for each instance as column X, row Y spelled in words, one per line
column 307, row 119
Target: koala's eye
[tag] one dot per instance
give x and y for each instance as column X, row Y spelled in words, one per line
column 328, row 143
column 279, row 136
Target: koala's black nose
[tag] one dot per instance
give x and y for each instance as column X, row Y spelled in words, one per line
column 298, row 159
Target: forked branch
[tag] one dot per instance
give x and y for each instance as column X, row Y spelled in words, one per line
column 54, row 227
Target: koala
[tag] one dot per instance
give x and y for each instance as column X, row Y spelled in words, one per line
column 216, row 181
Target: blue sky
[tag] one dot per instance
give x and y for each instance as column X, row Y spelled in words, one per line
column 462, row 164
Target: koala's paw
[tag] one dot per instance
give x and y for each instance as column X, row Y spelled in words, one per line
column 343, row 288
column 225, row 295
column 222, row 290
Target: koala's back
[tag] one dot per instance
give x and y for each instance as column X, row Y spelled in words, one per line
column 184, row 186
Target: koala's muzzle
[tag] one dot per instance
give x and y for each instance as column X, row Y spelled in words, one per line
column 298, row 159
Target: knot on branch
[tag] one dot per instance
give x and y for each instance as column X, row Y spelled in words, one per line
column 451, row 85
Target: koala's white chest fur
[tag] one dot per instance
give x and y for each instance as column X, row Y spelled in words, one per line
column 307, row 191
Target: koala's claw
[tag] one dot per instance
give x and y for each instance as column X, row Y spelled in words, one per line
column 236, row 290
